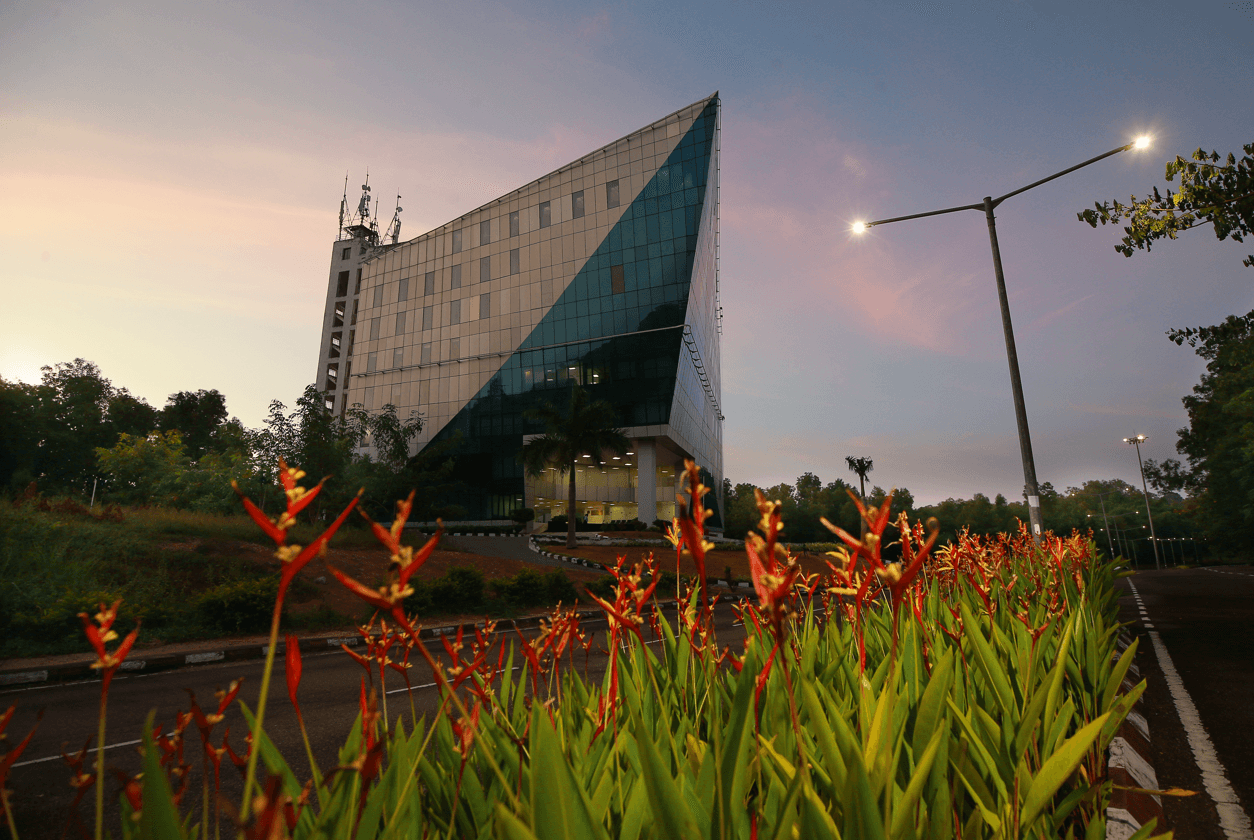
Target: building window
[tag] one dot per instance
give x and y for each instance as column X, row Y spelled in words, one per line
column 513, row 223
column 457, row 242
column 576, row 205
column 513, row 261
column 456, row 281
column 455, row 312
column 372, row 362
column 618, row 284
column 428, row 283
column 347, row 253
column 611, row 194
column 374, row 328
column 398, row 357
column 546, row 213
column 341, row 284
column 484, row 311
column 378, row 296
column 425, row 358
column 485, row 269
column 400, row 323
column 485, row 231
column 402, row 293
column 426, row 317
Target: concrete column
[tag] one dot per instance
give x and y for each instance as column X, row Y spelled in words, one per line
column 646, row 481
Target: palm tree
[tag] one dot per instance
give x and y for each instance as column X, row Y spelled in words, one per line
column 585, row 428
column 861, row 466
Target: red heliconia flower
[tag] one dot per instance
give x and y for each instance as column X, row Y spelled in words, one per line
column 99, row 633
column 133, row 791
column 240, row 761
column 402, row 565
column 464, row 732
column 292, row 668
column 293, row 557
column 80, row 779
column 10, row 758
column 691, row 522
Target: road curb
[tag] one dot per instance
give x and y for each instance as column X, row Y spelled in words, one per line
column 140, row 663
column 1129, row 764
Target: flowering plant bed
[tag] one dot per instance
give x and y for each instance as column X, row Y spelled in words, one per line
column 970, row 692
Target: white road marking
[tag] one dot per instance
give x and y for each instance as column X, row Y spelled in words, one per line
column 1232, row 817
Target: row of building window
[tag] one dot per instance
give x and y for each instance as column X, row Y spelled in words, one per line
column 612, row 200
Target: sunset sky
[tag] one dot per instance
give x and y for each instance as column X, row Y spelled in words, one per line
column 170, row 178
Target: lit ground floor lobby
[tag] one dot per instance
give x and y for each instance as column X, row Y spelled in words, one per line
column 638, row 484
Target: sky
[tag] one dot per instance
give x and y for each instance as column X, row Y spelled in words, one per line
column 170, row 178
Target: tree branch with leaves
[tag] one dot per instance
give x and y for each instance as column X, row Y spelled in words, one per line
column 1220, row 194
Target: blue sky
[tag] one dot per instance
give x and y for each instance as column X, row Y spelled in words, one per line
column 170, row 176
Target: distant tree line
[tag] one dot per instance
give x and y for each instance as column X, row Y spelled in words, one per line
column 1077, row 508
column 76, row 434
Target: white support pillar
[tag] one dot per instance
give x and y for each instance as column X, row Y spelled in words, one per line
column 646, row 481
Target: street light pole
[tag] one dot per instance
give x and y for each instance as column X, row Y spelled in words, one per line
column 1012, row 357
column 1137, row 440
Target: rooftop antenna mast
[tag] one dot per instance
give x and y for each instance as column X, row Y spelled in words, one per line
column 339, row 232
column 363, row 206
column 394, row 229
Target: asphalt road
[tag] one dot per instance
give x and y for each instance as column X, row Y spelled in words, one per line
column 1205, row 619
column 329, row 692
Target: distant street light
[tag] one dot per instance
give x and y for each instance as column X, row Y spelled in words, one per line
column 1137, row 440
column 1012, row 356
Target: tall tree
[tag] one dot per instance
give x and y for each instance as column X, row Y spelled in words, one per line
column 585, row 427
column 861, row 466
column 1217, row 441
column 197, row 416
column 1210, row 192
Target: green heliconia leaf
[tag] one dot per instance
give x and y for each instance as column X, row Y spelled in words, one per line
column 509, row 827
column 559, row 805
column 932, row 704
column 734, row 768
column 989, row 664
column 903, row 813
column 1117, row 674
column 159, row 819
column 670, row 812
column 819, row 725
column 862, row 808
column 1056, row 770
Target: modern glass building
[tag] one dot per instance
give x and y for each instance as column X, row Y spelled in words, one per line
column 603, row 274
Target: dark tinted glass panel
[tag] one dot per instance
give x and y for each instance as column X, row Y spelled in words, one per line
column 484, row 304
column 485, row 269
column 513, row 261
column 576, row 205
column 402, row 292
column 611, row 194
column 457, row 242
column 428, row 283
column 455, row 312
column 513, row 223
column 455, row 282
column 546, row 214
column 341, row 284
column 485, row 232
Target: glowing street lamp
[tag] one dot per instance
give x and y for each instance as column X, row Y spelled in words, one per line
column 1012, row 356
column 1137, row 440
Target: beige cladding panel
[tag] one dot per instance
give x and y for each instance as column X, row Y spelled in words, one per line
column 549, row 258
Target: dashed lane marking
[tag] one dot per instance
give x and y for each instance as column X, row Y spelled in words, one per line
column 1232, row 817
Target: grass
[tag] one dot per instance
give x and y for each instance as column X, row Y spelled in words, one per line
column 187, row 576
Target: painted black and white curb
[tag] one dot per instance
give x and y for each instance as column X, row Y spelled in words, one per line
column 1128, row 766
